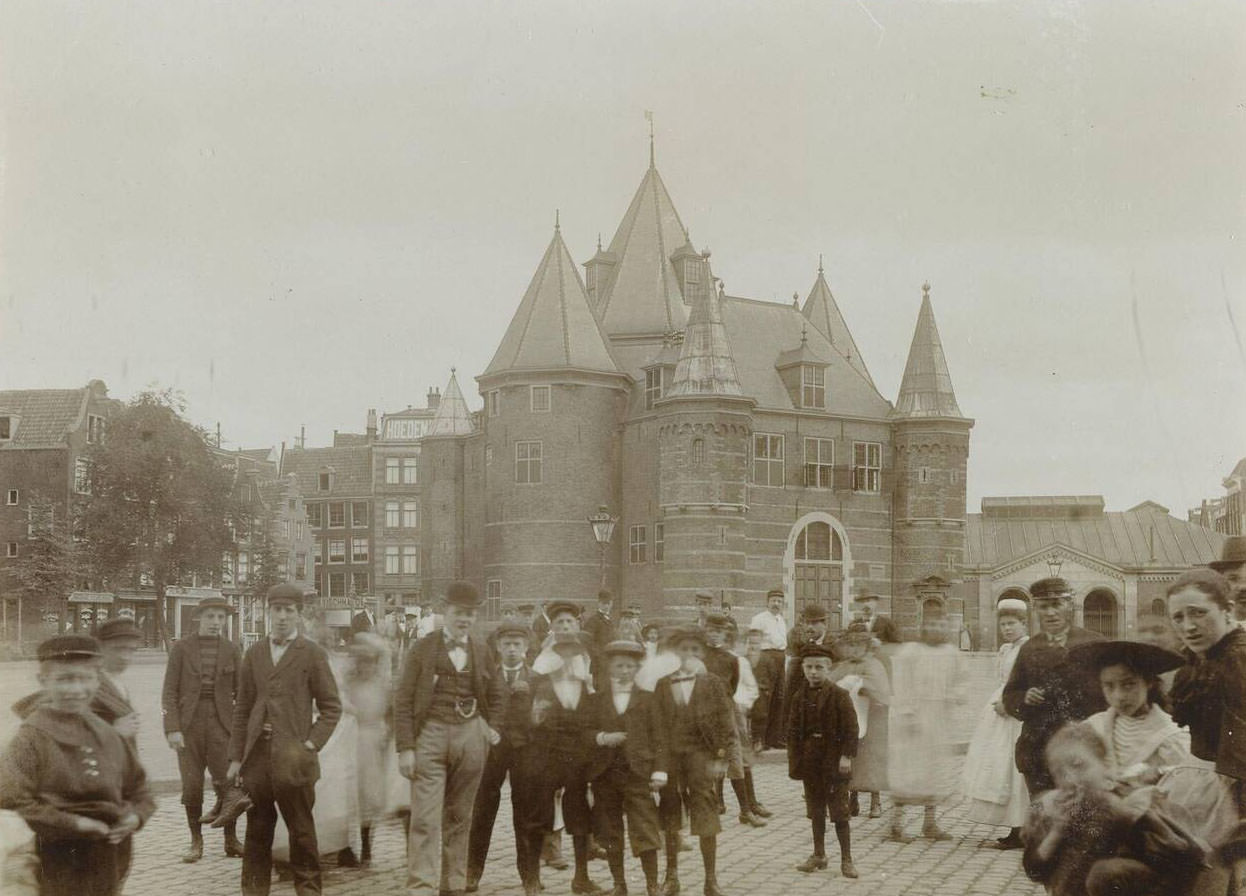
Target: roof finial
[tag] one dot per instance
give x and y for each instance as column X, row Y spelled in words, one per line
column 926, row 290
column 804, row 333
column 599, row 241
column 452, row 370
column 796, row 300
column 557, row 222
column 649, row 118
column 819, row 264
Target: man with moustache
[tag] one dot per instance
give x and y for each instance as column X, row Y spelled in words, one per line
column 1232, row 565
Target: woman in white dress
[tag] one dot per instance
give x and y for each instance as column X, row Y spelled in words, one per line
column 994, row 790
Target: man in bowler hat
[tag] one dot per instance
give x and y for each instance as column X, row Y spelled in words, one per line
column 273, row 743
column 448, row 699
column 1046, row 689
column 1232, row 565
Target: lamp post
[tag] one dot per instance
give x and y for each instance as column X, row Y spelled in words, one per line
column 603, row 529
column 1054, row 562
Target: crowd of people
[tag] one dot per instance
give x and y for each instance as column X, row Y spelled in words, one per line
column 1113, row 766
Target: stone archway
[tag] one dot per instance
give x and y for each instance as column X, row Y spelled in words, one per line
column 1101, row 612
column 817, row 565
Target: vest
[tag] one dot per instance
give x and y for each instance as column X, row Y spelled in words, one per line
column 453, row 691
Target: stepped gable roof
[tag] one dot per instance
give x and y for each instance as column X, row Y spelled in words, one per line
column 706, row 365
column 823, row 312
column 453, row 418
column 554, row 325
column 644, row 295
column 1010, row 529
column 351, row 467
column 926, row 389
column 47, row 415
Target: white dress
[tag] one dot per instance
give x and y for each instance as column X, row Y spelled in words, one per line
column 927, row 687
column 995, row 791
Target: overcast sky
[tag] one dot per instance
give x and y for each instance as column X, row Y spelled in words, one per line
column 296, row 211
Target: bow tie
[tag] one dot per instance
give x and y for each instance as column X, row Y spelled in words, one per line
column 683, row 676
column 278, row 643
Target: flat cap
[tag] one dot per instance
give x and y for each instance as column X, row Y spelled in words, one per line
column 285, row 593
column 777, row 591
column 512, row 630
column 813, row 651
column 624, row 648
column 525, row 607
column 1012, row 606
column 865, row 597
column 214, row 602
column 554, row 607
column 704, row 597
column 463, row 594
column 117, row 629
column 69, row 648
column 1052, row 586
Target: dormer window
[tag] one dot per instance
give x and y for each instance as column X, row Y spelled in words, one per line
column 590, row 277
column 8, row 425
column 325, row 481
column 812, row 386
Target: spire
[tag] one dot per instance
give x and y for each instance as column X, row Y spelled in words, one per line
column 822, row 311
column 554, row 325
column 926, row 390
column 649, row 118
column 706, row 365
column 452, row 417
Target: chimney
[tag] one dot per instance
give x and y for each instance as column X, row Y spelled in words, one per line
column 434, row 398
column 371, row 425
column 302, row 435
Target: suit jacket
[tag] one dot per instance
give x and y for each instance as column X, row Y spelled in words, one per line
column 108, row 703
column 601, row 629
column 645, row 750
column 1072, row 693
column 819, row 732
column 282, row 697
column 413, row 698
column 713, row 712
column 723, row 663
column 885, row 630
column 515, row 722
column 180, row 694
column 361, row 623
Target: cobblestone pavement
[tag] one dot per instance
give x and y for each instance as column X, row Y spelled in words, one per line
column 751, row 861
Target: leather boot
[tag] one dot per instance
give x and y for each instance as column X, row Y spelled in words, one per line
column 194, row 852
column 233, row 846
column 210, row 816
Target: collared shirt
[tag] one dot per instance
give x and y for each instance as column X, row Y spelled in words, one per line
column 1060, row 640
column 773, row 628
column 622, row 695
column 511, row 675
column 278, row 648
column 457, row 650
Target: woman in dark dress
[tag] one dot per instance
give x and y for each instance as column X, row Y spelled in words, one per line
column 1209, row 697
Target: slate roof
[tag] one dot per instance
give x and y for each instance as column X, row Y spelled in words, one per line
column 926, row 389
column 47, row 415
column 453, row 417
column 554, row 326
column 1005, row 532
column 823, row 312
column 352, row 468
column 706, row 365
column 644, row 295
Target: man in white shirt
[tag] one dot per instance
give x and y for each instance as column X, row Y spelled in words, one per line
column 767, row 719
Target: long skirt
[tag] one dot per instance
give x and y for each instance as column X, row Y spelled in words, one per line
column 336, row 812
column 995, row 791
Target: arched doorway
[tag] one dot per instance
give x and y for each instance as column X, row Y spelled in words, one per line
column 1159, row 608
column 818, row 559
column 1099, row 612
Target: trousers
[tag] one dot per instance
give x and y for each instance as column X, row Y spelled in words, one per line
column 207, row 745
column 295, row 804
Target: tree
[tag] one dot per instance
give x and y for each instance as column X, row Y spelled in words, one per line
column 160, row 501
column 51, row 564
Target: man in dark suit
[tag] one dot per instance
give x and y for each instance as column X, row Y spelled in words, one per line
column 881, row 627
column 447, row 701
column 698, row 717
column 628, row 767
column 363, row 621
column 1046, row 690
column 511, row 643
column 273, row 743
column 600, row 627
column 197, row 705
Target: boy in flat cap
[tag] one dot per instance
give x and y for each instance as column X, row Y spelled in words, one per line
column 1046, row 690
column 724, row 664
column 446, row 704
column 697, row 713
column 273, row 743
column 511, row 640
column 629, row 766
column 197, row 705
column 73, row 778
column 821, row 743
column 119, row 640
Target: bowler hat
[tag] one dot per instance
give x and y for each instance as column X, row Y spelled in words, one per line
column 810, row 651
column 68, row 648
column 624, row 648
column 463, row 594
column 116, row 629
column 716, row 620
column 813, row 613
column 1232, row 553
column 285, row 593
column 603, row 596
column 511, row 630
column 554, row 607
column 1146, row 659
column 1052, row 586
column 214, row 603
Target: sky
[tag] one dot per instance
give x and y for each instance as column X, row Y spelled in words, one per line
column 293, row 212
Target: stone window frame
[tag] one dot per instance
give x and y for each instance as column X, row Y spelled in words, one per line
column 530, row 458
column 341, row 515
column 865, row 473
column 769, row 460
column 356, row 577
column 393, row 471
column 393, row 560
column 638, row 544
column 393, row 515
column 819, row 466
column 356, row 554
column 411, row 470
column 538, row 405
column 410, row 514
column 333, row 578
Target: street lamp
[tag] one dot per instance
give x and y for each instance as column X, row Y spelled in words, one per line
column 1054, row 562
column 603, row 528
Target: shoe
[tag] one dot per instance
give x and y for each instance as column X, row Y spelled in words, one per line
column 346, row 858
column 233, row 848
column 210, row 816
column 670, row 886
column 849, row 870
column 712, row 888
column 619, row 890
column 1009, row 842
column 814, row 863
column 233, row 804
column 194, row 852
column 854, row 805
column 897, row 835
column 586, row 887
column 761, row 811
column 876, row 811
column 935, row 832
column 752, row 820
column 552, row 857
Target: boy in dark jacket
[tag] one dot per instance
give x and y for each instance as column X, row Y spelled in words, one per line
column 629, row 765
column 73, row 778
column 821, row 741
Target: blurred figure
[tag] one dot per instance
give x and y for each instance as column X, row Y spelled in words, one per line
column 865, row 607
column 864, row 677
column 119, row 640
column 366, row 695
column 629, row 625
column 650, row 636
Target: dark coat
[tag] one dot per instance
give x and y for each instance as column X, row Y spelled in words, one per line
column 1210, row 698
column 885, row 630
column 816, row 740
column 712, row 708
column 413, row 698
column 644, row 751
column 361, row 623
column 516, row 718
column 600, row 629
column 1072, row 694
column 282, row 697
column 723, row 663
column 108, row 703
column 180, row 694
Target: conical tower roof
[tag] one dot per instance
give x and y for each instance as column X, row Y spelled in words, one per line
column 926, row 390
column 554, row 325
column 706, row 365
column 452, row 417
column 822, row 311
column 644, row 296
